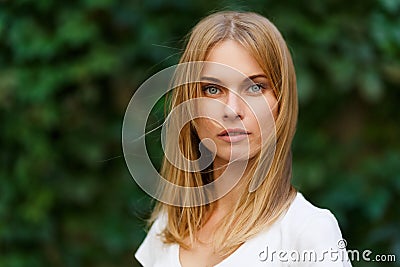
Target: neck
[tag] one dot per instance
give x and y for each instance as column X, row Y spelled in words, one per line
column 235, row 171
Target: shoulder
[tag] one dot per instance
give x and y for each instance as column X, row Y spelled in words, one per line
column 303, row 228
column 310, row 229
column 153, row 251
column 303, row 219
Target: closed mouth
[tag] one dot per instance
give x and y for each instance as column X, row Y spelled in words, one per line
column 233, row 132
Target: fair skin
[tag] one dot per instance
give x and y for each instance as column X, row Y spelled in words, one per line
column 248, row 104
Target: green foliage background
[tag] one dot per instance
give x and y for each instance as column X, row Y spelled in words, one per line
column 69, row 68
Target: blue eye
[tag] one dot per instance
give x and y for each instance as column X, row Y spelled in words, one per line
column 211, row 90
column 255, row 88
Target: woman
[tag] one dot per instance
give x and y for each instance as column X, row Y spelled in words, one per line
column 245, row 120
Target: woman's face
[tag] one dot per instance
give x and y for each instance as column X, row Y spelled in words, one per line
column 246, row 105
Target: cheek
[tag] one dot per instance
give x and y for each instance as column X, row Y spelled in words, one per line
column 263, row 121
column 208, row 108
column 204, row 127
column 263, row 110
column 273, row 103
column 208, row 114
column 272, row 109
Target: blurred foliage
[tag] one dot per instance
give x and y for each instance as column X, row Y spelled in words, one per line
column 69, row 68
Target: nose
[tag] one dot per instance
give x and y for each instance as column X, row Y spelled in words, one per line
column 233, row 107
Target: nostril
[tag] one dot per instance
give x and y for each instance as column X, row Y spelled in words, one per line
column 232, row 116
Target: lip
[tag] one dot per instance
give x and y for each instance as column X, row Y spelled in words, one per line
column 233, row 135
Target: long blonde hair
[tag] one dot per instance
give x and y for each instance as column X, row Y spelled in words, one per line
column 254, row 211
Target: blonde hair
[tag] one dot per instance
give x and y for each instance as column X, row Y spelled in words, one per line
column 254, row 211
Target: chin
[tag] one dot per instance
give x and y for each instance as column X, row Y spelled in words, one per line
column 235, row 156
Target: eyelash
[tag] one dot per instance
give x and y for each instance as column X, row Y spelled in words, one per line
column 209, row 86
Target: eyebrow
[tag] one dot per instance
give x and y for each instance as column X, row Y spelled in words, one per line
column 217, row 81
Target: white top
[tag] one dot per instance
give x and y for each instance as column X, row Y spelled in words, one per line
column 304, row 236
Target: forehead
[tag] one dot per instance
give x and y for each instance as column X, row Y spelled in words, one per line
column 233, row 55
